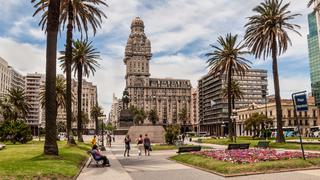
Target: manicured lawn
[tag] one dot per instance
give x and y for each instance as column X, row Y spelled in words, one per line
column 253, row 142
column 228, row 168
column 24, row 161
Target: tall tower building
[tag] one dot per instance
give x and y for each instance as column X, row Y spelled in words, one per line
column 167, row 96
column 314, row 55
column 35, row 117
column 137, row 56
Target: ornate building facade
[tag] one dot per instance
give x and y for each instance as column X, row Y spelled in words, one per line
column 167, row 96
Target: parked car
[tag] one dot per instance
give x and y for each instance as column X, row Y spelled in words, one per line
column 316, row 134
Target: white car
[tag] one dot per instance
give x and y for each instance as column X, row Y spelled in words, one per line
column 316, row 134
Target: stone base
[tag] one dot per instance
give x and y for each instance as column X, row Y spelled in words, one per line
column 155, row 133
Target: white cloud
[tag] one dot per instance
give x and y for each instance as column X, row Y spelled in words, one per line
column 289, row 85
column 23, row 27
column 24, row 57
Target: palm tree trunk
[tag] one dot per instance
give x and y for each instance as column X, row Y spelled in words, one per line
column 50, row 144
column 280, row 136
column 79, row 129
column 68, row 73
column 230, row 126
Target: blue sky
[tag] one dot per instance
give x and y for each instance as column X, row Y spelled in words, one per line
column 180, row 32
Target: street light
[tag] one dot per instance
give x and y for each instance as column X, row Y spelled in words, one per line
column 102, row 148
column 234, row 117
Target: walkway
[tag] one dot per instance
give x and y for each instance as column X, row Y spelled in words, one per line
column 158, row 167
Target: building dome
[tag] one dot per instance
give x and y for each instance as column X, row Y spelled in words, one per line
column 137, row 22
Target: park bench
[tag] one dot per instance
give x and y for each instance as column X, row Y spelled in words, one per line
column 99, row 163
column 188, row 149
column 2, row 146
column 263, row 144
column 238, row 146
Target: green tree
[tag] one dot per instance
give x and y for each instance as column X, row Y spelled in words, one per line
column 15, row 131
column 7, row 110
column 267, row 35
column 153, row 116
column 110, row 127
column 138, row 115
column 172, row 132
column 227, row 58
column 19, row 102
column 255, row 121
column 81, row 14
column 52, row 26
column 96, row 112
column 236, row 92
column 61, row 93
column 84, row 62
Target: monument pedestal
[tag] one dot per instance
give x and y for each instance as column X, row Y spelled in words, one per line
column 155, row 133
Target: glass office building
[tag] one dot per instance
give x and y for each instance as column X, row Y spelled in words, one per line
column 314, row 56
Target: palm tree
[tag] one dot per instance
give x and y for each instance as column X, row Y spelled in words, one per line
column 79, row 14
column 236, row 92
column 96, row 112
column 52, row 26
column 84, row 61
column 316, row 4
column 61, row 93
column 7, row 111
column 18, row 99
column 227, row 59
column 266, row 35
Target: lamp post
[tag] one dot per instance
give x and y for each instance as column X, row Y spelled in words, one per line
column 234, row 117
column 102, row 148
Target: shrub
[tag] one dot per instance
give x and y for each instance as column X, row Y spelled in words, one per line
column 15, row 131
column 172, row 132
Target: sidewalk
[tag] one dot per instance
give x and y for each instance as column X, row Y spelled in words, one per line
column 114, row 172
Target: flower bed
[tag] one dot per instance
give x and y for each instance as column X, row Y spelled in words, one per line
column 253, row 155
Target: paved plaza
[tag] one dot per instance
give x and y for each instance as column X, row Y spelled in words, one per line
column 158, row 167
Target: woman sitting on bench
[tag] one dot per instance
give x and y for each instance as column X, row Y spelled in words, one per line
column 98, row 156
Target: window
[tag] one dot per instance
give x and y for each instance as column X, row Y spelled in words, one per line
column 314, row 113
column 270, row 113
column 289, row 113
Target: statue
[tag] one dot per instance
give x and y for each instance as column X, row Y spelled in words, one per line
column 125, row 99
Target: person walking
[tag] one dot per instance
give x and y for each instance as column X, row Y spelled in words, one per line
column 94, row 140
column 113, row 138
column 109, row 140
column 147, row 145
column 140, row 144
column 127, row 142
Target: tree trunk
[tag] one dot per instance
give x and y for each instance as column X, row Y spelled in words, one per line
column 68, row 73
column 230, row 125
column 79, row 129
column 50, row 144
column 280, row 136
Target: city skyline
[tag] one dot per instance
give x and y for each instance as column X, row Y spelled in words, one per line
column 180, row 41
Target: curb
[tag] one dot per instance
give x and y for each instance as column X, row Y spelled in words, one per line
column 84, row 163
column 243, row 174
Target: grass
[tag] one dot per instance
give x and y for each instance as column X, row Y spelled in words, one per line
column 253, row 142
column 228, row 168
column 27, row 161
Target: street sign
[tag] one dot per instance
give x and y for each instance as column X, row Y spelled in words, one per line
column 301, row 102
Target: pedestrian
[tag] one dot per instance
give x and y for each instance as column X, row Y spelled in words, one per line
column 140, row 144
column 114, row 138
column 127, row 142
column 183, row 136
column 94, row 140
column 109, row 140
column 147, row 145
